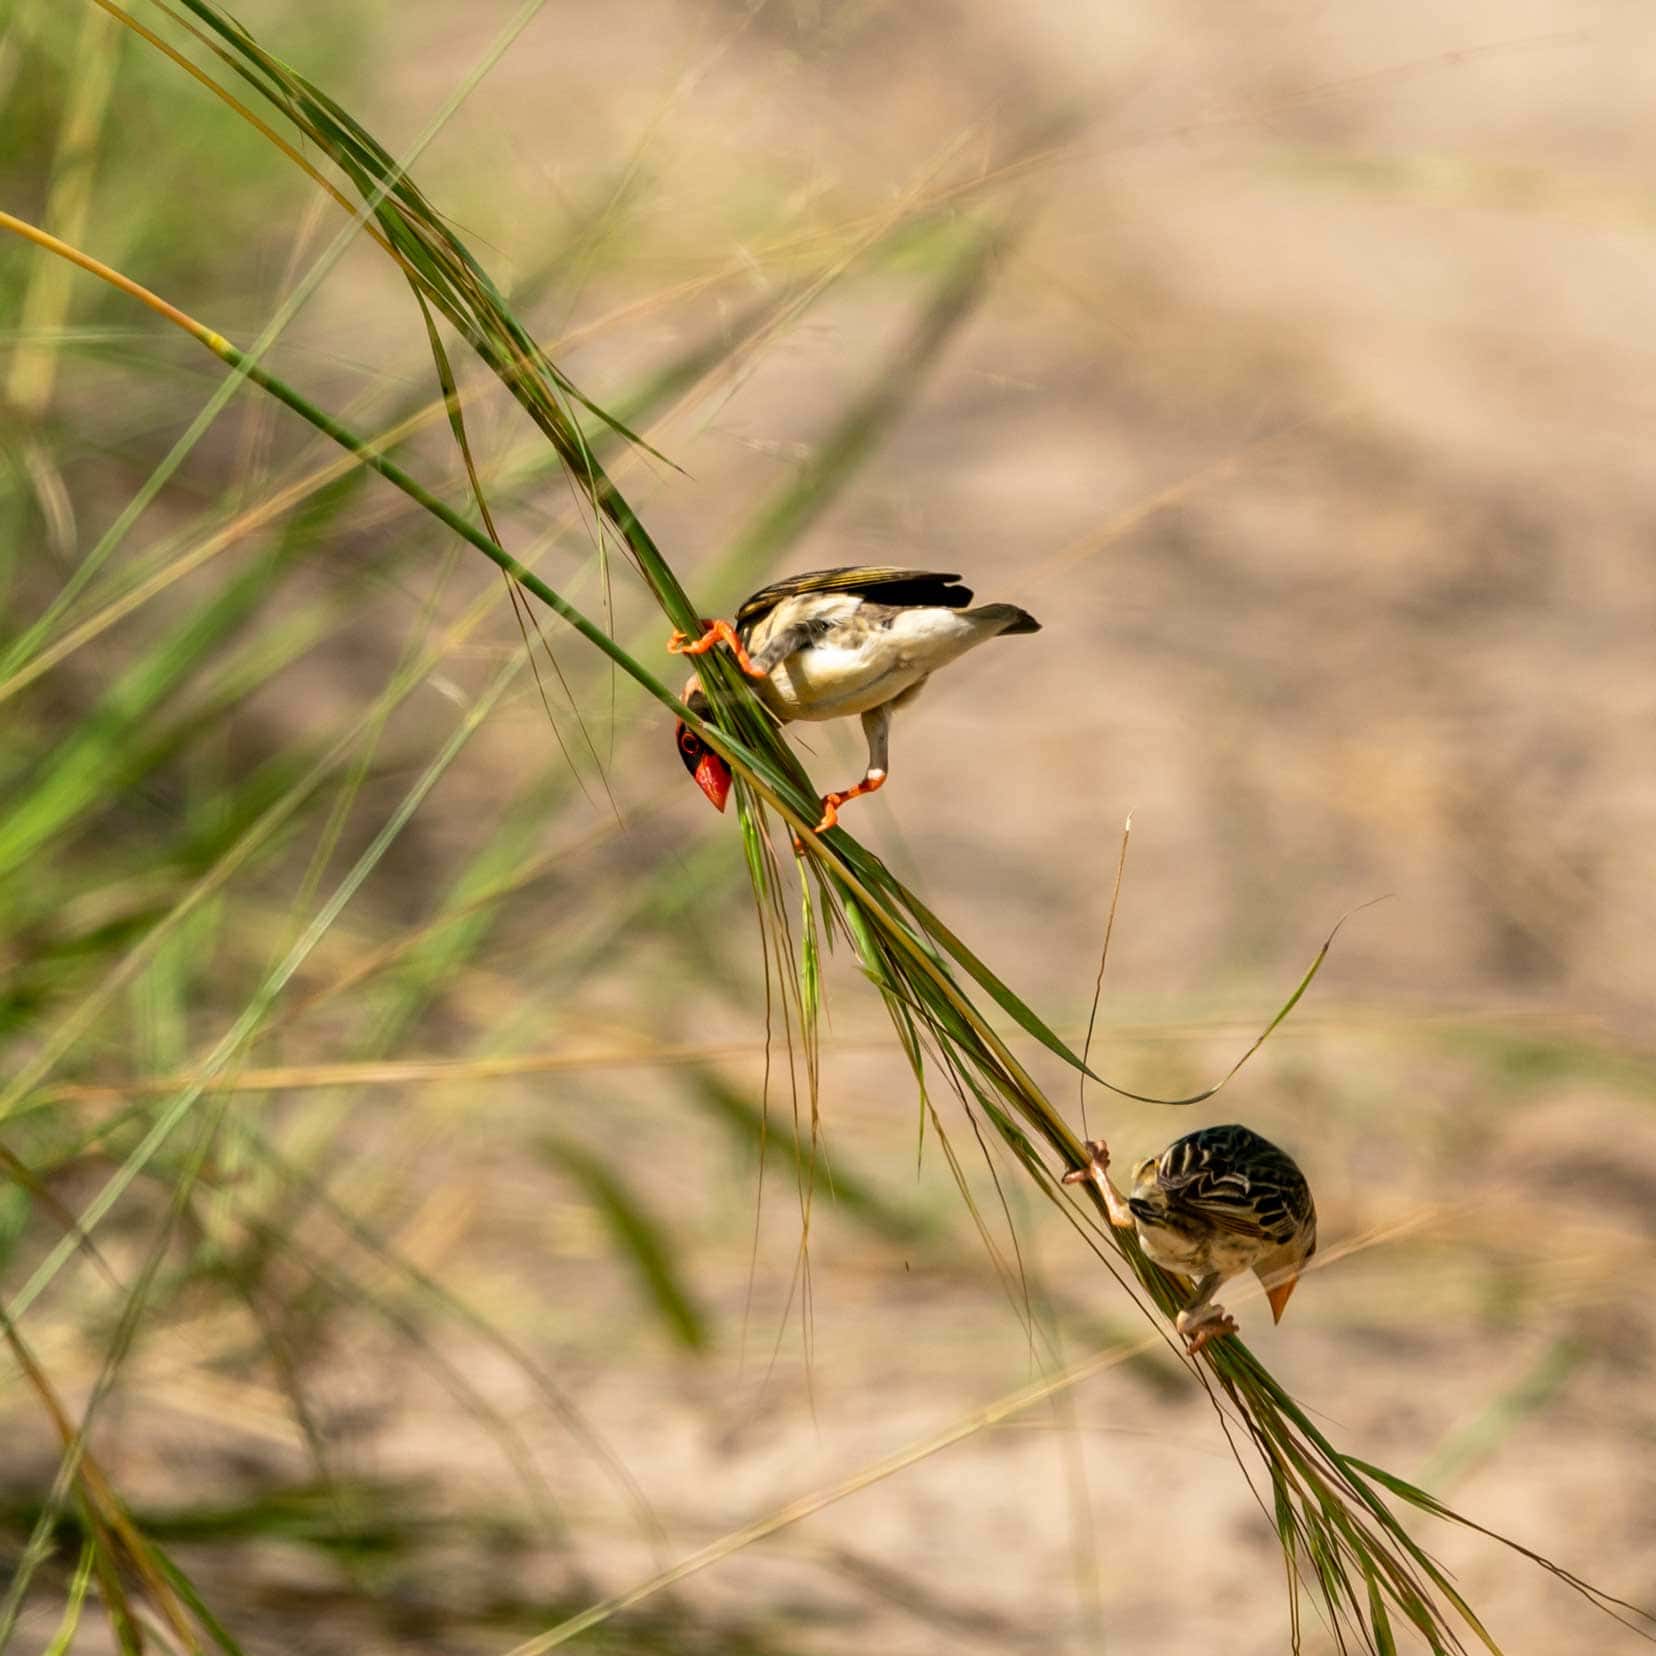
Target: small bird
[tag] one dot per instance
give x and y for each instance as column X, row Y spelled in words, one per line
column 1210, row 1206
column 837, row 642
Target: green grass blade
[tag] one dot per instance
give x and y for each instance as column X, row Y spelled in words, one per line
column 1331, row 1513
column 639, row 1238
column 64, row 1638
column 22, row 648
column 853, row 1193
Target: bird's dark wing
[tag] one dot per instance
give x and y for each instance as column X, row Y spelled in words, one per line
column 1236, row 1181
column 887, row 586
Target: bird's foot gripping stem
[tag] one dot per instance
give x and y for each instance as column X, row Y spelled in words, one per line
column 716, row 632
column 1212, row 1322
column 1098, row 1164
column 872, row 783
column 1097, row 1172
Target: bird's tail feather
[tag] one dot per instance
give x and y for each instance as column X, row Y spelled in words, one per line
column 1008, row 617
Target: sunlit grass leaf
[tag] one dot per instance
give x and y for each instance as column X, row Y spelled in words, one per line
column 97, row 760
column 1288, row 1537
column 186, row 1590
column 15, row 1208
column 638, row 1236
column 1329, row 1517
column 783, row 518
column 850, row 1192
column 1009, row 1002
column 14, row 1168
column 1379, row 1619
column 810, row 967
column 1428, row 1503
column 1537, row 1387
column 64, row 1638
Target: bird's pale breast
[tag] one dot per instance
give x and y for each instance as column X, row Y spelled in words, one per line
column 862, row 655
column 834, row 681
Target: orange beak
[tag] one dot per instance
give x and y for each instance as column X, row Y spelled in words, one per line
column 1278, row 1296
column 712, row 776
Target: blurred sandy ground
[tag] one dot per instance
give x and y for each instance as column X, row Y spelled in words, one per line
column 1312, row 415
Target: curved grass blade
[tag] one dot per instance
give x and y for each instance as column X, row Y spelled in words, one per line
column 231, row 1043
column 907, row 960
column 764, row 769
column 452, row 279
column 21, row 649
column 1103, row 961
column 1608, row 1603
column 639, row 1237
column 434, row 1296
column 25, row 1177
column 67, row 1627
column 520, row 604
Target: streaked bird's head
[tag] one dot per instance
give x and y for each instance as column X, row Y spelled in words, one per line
column 708, row 769
column 1148, row 1201
column 1147, row 1190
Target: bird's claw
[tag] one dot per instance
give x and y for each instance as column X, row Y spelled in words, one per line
column 830, row 817
column 1098, row 1163
column 871, row 783
column 713, row 632
column 1198, row 1335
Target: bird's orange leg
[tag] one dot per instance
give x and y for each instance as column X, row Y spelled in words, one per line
column 1098, row 1171
column 872, row 783
column 717, row 631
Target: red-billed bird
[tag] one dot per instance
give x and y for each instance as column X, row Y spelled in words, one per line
column 837, row 642
column 1213, row 1204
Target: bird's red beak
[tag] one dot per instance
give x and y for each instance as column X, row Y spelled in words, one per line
column 713, row 778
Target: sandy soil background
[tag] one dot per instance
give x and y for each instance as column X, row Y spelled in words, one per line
column 1310, row 412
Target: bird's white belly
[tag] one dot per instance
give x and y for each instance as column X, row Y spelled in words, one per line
column 1232, row 1254
column 856, row 668
column 1173, row 1250
column 825, row 682
column 1224, row 1251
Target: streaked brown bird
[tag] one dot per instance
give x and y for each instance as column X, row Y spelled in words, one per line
column 837, row 642
column 1213, row 1204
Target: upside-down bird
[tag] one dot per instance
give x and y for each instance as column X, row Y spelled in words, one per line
column 838, row 642
column 1214, row 1204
